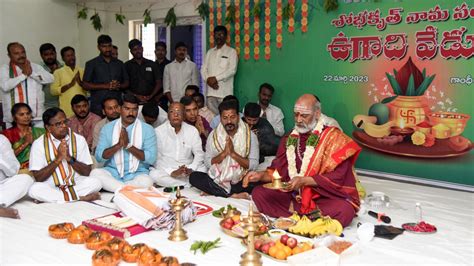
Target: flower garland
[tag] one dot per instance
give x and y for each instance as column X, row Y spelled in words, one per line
column 237, row 27
column 211, row 23
column 292, row 143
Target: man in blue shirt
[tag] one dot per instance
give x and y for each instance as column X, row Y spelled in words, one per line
column 127, row 147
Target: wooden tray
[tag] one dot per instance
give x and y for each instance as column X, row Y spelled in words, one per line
column 441, row 148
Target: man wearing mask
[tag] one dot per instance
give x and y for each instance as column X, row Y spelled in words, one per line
column 104, row 75
column 68, row 80
column 179, row 74
column 22, row 82
column 218, row 70
column 127, row 147
column 50, row 63
column 83, row 121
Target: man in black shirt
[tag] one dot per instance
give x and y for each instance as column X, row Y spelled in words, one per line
column 145, row 79
column 267, row 139
column 104, row 76
column 161, row 61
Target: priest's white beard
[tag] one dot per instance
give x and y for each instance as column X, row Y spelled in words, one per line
column 304, row 128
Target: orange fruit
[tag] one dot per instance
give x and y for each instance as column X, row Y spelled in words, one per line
column 279, row 244
column 281, row 254
column 287, row 250
column 307, row 246
column 272, row 251
column 297, row 250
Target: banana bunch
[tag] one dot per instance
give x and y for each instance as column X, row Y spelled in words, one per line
column 377, row 131
column 295, row 217
column 302, row 227
column 323, row 225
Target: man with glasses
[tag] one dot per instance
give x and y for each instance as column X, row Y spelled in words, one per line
column 60, row 163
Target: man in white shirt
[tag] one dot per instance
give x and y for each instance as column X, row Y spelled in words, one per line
column 178, row 74
column 273, row 114
column 22, row 82
column 218, row 70
column 60, row 163
column 174, row 166
column 13, row 186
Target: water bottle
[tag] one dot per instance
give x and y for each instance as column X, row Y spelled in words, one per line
column 418, row 213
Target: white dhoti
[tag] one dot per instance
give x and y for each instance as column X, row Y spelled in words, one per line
column 14, row 188
column 111, row 184
column 48, row 192
column 162, row 178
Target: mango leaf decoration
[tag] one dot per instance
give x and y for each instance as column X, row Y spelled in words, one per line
column 257, row 10
column 119, row 18
column 170, row 18
column 96, row 22
column 203, row 10
column 82, row 14
column 147, row 16
column 230, row 16
column 288, row 11
column 330, row 5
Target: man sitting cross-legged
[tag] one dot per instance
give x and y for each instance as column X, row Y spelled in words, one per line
column 60, row 162
column 179, row 150
column 127, row 147
column 231, row 150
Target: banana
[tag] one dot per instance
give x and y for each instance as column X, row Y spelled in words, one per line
column 377, row 131
column 295, row 217
column 359, row 121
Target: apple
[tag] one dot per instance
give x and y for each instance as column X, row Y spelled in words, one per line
column 291, row 242
column 229, row 220
column 227, row 226
column 258, row 244
column 265, row 248
column 283, row 239
column 271, row 243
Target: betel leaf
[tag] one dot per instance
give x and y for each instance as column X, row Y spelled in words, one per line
column 203, row 10
column 82, row 14
column 230, row 16
column 170, row 18
column 395, row 86
column 424, row 85
column 146, row 16
column 96, row 22
column 389, row 99
column 411, row 86
column 119, row 18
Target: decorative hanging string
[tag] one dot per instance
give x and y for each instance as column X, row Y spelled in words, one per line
column 211, row 23
column 291, row 20
column 237, row 27
column 256, row 34
column 219, row 12
column 279, row 25
column 267, row 50
column 304, row 15
column 246, row 29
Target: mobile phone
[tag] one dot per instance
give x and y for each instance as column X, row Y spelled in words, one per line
column 172, row 189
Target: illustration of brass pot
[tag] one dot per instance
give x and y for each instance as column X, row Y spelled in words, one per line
column 409, row 108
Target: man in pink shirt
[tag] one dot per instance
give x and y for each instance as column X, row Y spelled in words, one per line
column 83, row 121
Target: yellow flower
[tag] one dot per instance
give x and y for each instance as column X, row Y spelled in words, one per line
column 418, row 138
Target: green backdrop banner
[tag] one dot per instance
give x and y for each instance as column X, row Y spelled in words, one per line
column 398, row 77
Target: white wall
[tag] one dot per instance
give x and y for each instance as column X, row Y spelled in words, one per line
column 34, row 22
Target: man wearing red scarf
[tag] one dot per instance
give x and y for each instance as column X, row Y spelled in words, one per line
column 317, row 162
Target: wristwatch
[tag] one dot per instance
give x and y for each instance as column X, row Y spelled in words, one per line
column 72, row 160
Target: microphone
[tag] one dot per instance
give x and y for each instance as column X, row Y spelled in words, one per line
column 380, row 216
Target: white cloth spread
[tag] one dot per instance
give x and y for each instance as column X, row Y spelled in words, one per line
column 229, row 171
column 136, row 141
